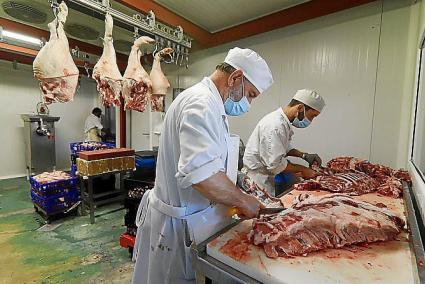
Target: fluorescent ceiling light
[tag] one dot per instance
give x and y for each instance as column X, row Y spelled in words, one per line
column 21, row 37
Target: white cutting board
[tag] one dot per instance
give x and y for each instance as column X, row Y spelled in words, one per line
column 385, row 262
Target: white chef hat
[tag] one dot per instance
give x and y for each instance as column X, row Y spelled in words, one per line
column 310, row 98
column 254, row 67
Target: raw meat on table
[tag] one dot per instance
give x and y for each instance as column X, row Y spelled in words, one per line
column 54, row 66
column 137, row 85
column 380, row 172
column 249, row 186
column 391, row 187
column 355, row 183
column 343, row 164
column 327, row 221
column 356, row 176
column 106, row 71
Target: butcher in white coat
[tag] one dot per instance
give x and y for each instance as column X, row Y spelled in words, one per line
column 93, row 126
column 196, row 170
column 270, row 143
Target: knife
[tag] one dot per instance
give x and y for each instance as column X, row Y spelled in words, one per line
column 263, row 211
column 276, row 210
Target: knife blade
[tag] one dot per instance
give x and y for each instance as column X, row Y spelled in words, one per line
column 265, row 211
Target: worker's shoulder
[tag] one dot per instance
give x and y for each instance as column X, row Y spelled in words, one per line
column 273, row 121
column 199, row 97
column 271, row 118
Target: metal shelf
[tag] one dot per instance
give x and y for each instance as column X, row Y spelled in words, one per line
column 145, row 23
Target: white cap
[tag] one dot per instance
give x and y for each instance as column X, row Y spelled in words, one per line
column 310, row 98
column 254, row 67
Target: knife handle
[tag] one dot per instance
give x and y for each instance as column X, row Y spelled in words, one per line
column 234, row 210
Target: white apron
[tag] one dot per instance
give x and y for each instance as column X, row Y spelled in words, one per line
column 167, row 221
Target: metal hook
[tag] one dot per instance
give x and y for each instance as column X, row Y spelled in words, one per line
column 171, row 58
column 136, row 32
column 177, row 52
column 86, row 67
column 156, row 49
column 157, row 39
column 55, row 8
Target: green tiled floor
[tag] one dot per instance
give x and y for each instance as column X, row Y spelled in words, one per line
column 74, row 252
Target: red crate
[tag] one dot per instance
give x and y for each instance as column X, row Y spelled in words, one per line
column 127, row 241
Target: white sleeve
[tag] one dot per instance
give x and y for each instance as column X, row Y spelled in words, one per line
column 98, row 124
column 200, row 148
column 273, row 151
column 290, row 147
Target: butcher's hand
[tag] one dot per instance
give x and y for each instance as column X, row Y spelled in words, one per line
column 308, row 173
column 312, row 159
column 250, row 206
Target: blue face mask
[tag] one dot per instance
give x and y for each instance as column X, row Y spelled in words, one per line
column 236, row 108
column 301, row 123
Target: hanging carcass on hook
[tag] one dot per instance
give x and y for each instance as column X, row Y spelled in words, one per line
column 137, row 85
column 106, row 71
column 160, row 83
column 54, row 66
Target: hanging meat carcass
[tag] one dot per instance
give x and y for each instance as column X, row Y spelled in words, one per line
column 137, row 85
column 106, row 72
column 160, row 83
column 54, row 66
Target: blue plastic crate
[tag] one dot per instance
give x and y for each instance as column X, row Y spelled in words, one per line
column 77, row 147
column 73, row 170
column 53, row 188
column 56, row 203
column 145, row 162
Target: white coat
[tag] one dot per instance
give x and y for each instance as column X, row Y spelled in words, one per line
column 265, row 152
column 193, row 147
column 92, row 127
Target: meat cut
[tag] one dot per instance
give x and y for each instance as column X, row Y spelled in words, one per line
column 355, row 183
column 380, row 172
column 343, row 164
column 391, row 187
column 137, row 85
column 249, row 186
column 157, row 103
column 48, row 177
column 356, row 176
column 106, row 71
column 160, row 83
column 54, row 66
column 328, row 221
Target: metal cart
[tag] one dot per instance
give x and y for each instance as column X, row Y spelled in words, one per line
column 91, row 200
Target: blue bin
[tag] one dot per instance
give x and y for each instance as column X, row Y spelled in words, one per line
column 145, row 162
column 57, row 203
column 53, row 188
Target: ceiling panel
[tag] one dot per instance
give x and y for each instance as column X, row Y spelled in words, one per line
column 79, row 26
column 222, row 14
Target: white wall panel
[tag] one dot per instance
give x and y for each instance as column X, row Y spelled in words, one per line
column 19, row 94
column 337, row 55
column 394, row 85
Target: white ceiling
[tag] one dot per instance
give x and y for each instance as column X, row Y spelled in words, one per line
column 216, row 15
column 122, row 38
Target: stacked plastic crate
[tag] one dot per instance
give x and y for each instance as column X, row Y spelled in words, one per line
column 53, row 196
column 78, row 147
